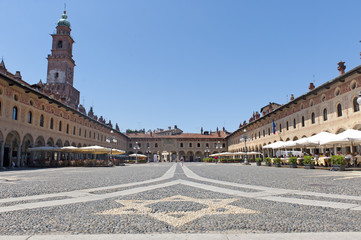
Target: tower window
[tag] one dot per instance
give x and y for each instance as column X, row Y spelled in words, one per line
column 60, row 44
column 56, row 75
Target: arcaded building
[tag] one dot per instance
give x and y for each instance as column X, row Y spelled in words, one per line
column 172, row 144
column 331, row 107
column 48, row 114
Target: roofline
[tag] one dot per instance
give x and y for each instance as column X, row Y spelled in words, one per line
column 50, row 99
column 302, row 97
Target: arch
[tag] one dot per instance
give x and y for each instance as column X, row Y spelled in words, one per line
column 295, row 138
column 28, row 142
column 340, row 130
column 190, row 156
column 287, row 139
column 40, row 141
column 79, row 144
column 50, row 142
column 198, row 156
column 357, row 127
column 66, row 143
column 59, row 143
column 182, row 155
column 73, row 144
column 12, row 149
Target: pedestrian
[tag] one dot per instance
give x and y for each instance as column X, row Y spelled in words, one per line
column 182, row 161
column 216, row 159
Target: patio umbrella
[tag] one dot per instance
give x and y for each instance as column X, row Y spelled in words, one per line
column 137, row 155
column 274, row 145
column 94, row 150
column 349, row 136
column 117, row 151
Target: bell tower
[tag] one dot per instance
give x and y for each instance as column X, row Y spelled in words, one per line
column 61, row 65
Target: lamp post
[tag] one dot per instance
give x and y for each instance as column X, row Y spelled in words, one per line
column 245, row 138
column 136, row 148
column 219, row 146
column 110, row 140
column 148, row 152
column 207, row 152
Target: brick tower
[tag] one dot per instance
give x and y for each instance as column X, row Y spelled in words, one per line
column 61, row 65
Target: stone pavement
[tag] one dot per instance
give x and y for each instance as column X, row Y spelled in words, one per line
column 164, row 201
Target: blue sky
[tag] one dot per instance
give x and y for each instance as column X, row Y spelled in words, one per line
column 194, row 63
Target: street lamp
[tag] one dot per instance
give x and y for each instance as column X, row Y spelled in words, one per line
column 111, row 140
column 219, row 146
column 148, row 152
column 245, row 138
column 136, row 148
column 207, row 151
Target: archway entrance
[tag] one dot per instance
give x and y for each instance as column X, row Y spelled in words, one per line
column 12, row 150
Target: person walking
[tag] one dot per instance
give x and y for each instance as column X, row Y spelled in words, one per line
column 182, row 161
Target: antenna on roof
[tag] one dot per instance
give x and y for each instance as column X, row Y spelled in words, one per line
column 313, row 79
column 64, row 7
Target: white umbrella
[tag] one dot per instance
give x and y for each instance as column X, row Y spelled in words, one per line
column 349, row 136
column 254, row 153
column 289, row 144
column 137, row 155
column 69, row 149
column 318, row 138
column 275, row 145
column 94, row 149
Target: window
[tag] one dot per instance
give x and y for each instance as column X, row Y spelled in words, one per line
column 269, row 131
column 41, row 120
column 280, row 127
column 303, row 121
column 60, row 126
column 56, row 75
column 90, row 134
column 85, row 133
column 130, row 145
column 356, row 107
column 148, row 145
column 223, row 145
column 198, row 145
column 140, row 145
column 313, row 118
column 51, row 123
column 259, row 134
column 325, row 114
column 15, row 113
column 79, row 131
column 93, row 135
column 294, row 123
column 181, row 145
column 67, row 128
column 60, row 44
column 156, row 145
column 30, row 117
column 287, row 126
column 339, row 110
column 74, row 130
column 264, row 133
column 207, row 145
column 190, row 144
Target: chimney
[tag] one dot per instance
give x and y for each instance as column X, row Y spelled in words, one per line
column 169, row 128
column 17, row 75
column 311, row 87
column 292, row 97
column 175, row 127
column 201, row 130
column 341, row 67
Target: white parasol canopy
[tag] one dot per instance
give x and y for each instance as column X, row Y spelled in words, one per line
column 274, row 145
column 349, row 136
column 45, row 149
column 137, row 155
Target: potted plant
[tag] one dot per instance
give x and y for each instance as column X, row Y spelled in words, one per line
column 293, row 162
column 259, row 161
column 268, row 161
column 223, row 160
column 338, row 162
column 308, row 162
column 277, row 162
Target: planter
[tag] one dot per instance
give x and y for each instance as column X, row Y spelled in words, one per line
column 294, row 165
column 277, row 164
column 338, row 167
column 259, row 163
column 309, row 166
column 269, row 164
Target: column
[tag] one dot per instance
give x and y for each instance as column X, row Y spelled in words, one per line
column 2, row 153
column 18, row 157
